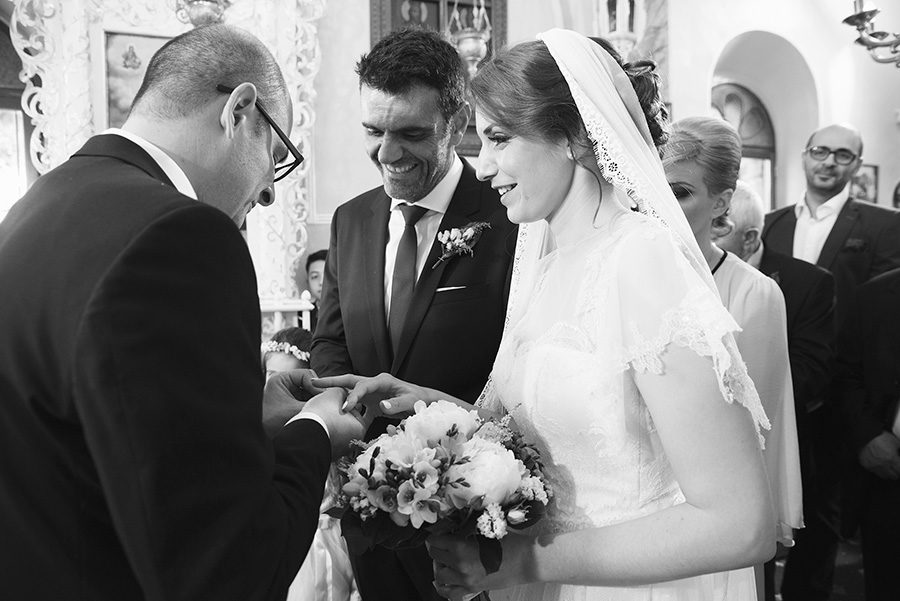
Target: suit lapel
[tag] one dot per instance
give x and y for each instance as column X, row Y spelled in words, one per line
column 843, row 225
column 465, row 203
column 375, row 233
column 780, row 234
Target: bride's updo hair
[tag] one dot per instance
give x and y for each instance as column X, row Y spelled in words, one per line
column 523, row 91
column 645, row 81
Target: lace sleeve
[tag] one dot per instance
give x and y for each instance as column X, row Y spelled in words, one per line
column 661, row 300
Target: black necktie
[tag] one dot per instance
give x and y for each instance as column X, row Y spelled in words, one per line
column 404, row 280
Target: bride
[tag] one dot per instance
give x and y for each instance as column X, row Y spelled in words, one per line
column 617, row 359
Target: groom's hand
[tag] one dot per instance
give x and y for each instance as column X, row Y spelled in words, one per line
column 342, row 426
column 283, row 397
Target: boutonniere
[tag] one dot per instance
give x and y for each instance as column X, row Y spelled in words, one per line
column 460, row 241
column 855, row 244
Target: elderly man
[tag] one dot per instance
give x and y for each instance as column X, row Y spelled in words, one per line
column 388, row 303
column 134, row 463
column 855, row 241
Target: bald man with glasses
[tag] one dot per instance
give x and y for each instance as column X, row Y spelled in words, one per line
column 133, row 460
column 855, row 241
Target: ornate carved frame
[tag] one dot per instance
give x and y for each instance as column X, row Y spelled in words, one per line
column 58, row 43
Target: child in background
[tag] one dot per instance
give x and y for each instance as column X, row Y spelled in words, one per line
column 315, row 275
column 326, row 574
column 288, row 349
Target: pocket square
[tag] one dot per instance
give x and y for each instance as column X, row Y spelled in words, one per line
column 855, row 244
column 448, row 288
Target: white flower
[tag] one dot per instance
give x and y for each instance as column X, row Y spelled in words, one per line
column 493, row 475
column 418, row 503
column 384, row 498
column 455, row 234
column 491, row 523
column 532, row 488
column 467, row 235
column 516, row 516
column 432, row 422
column 400, row 450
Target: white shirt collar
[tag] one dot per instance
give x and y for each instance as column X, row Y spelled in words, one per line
column 439, row 198
column 175, row 174
column 827, row 209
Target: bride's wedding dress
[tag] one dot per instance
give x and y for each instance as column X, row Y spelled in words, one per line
column 592, row 313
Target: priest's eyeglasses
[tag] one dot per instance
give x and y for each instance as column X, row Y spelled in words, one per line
column 842, row 156
column 294, row 158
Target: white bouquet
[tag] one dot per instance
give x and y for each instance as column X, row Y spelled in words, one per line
column 442, row 470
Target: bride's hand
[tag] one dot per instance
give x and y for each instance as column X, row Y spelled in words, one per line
column 458, row 571
column 394, row 396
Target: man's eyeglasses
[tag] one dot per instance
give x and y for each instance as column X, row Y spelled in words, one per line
column 294, row 158
column 842, row 156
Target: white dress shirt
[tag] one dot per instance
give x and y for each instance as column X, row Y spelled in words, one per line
column 436, row 202
column 175, row 174
column 813, row 227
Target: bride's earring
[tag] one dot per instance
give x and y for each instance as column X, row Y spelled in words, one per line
column 569, row 154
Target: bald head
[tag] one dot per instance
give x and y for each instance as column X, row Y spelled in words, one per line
column 182, row 76
column 746, row 219
column 843, row 131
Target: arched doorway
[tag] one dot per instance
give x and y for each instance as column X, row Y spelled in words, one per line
column 777, row 76
column 745, row 111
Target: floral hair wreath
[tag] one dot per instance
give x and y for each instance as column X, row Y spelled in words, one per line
column 283, row 347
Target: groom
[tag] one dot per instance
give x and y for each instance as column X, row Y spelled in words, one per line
column 388, row 303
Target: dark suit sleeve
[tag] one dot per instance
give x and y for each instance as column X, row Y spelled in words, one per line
column 858, row 410
column 168, row 389
column 329, row 355
column 811, row 343
column 887, row 247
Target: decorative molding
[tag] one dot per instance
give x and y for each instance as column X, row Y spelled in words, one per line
column 277, row 235
column 59, row 44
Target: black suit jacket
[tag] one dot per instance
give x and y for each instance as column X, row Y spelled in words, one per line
column 869, row 360
column 448, row 342
column 133, row 463
column 864, row 242
column 868, row 371
column 809, row 299
column 455, row 320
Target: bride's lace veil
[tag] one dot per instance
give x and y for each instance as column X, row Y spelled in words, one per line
column 627, row 158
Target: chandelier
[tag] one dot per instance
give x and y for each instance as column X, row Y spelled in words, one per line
column 201, row 12
column 883, row 47
column 471, row 41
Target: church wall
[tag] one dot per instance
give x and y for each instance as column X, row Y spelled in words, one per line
column 850, row 86
column 341, row 170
